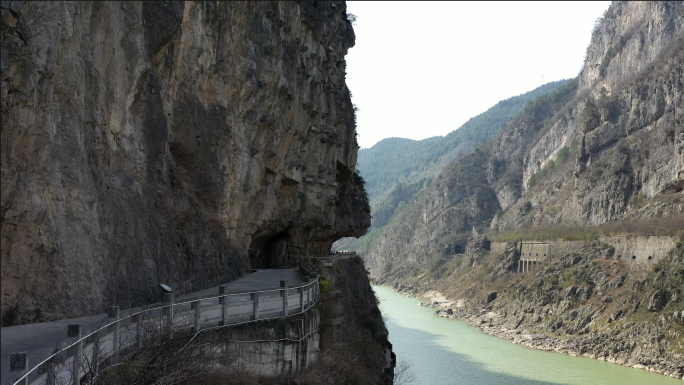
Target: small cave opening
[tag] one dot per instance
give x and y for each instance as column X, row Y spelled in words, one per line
column 343, row 173
column 269, row 251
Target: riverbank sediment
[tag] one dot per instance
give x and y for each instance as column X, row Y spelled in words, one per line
column 495, row 324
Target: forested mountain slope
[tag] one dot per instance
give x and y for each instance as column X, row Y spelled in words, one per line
column 396, row 170
column 394, row 160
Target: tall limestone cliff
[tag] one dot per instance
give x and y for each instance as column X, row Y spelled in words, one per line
column 169, row 142
column 627, row 122
column 607, row 146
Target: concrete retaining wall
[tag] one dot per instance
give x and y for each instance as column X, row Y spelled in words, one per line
column 272, row 348
column 640, row 250
column 634, row 250
column 563, row 248
column 534, row 251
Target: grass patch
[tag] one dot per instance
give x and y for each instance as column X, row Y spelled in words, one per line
column 660, row 226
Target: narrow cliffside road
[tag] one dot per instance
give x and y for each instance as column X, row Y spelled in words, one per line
column 40, row 339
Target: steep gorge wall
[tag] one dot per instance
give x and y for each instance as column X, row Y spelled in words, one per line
column 174, row 142
column 626, row 121
column 608, row 147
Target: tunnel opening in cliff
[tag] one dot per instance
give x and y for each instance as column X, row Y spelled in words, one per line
column 269, row 251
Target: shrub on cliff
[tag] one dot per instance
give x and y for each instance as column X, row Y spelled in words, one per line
column 324, row 284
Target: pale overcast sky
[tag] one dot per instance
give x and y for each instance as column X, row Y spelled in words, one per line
column 421, row 69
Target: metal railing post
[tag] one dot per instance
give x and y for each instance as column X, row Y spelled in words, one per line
column 223, row 289
column 255, row 309
column 96, row 351
column 168, row 311
column 303, row 289
column 114, row 313
column 283, row 293
column 195, row 305
column 300, row 290
column 75, row 330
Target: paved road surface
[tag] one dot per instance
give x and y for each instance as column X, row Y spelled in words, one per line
column 39, row 340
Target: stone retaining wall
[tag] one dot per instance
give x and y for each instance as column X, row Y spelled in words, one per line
column 640, row 250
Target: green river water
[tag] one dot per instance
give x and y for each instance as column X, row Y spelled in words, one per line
column 446, row 351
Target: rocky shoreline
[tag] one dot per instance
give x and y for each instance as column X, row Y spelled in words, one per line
column 495, row 324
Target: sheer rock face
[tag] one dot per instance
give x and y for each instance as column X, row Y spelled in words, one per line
column 621, row 132
column 173, row 142
column 626, row 122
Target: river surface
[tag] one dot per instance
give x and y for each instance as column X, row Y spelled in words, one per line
column 446, row 351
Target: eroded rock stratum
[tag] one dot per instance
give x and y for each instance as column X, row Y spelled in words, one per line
column 173, row 142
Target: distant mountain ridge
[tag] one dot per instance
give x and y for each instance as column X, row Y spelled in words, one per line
column 395, row 160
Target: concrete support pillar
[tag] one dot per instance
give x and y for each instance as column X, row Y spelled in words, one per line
column 223, row 289
column 299, row 367
column 518, row 266
column 168, row 311
column 114, row 316
column 195, row 305
column 75, row 331
column 20, row 361
column 283, row 293
column 255, row 311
